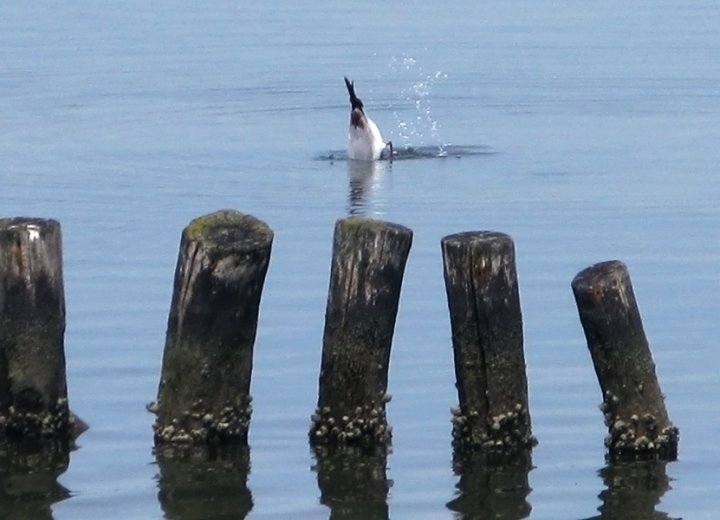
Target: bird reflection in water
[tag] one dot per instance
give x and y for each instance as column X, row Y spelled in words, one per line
column 366, row 181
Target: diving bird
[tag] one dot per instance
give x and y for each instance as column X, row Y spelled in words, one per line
column 364, row 139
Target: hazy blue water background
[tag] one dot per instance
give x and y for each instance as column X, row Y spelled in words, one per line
column 126, row 121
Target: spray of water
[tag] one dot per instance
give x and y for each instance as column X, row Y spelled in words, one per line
column 416, row 125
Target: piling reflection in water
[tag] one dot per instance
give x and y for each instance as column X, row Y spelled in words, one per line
column 28, row 480
column 491, row 487
column 353, row 482
column 200, row 482
column 365, row 180
column 633, row 490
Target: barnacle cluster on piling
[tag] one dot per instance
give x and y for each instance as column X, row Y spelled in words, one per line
column 228, row 423
column 361, row 426
column 637, row 436
column 502, row 433
column 55, row 422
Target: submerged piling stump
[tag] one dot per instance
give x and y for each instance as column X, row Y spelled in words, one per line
column 33, row 388
column 633, row 405
column 204, row 391
column 368, row 264
column 486, row 322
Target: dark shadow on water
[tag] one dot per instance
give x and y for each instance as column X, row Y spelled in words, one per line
column 365, row 183
column 202, row 483
column 633, row 490
column 491, row 488
column 28, row 480
column 353, row 482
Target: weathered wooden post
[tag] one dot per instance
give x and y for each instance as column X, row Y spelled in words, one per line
column 33, row 389
column 368, row 264
column 487, row 336
column 633, row 405
column 204, row 391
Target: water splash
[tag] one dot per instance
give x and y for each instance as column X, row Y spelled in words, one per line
column 416, row 125
column 415, row 152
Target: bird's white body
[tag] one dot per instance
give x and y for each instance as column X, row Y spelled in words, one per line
column 365, row 142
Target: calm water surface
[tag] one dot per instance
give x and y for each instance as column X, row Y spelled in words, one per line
column 586, row 133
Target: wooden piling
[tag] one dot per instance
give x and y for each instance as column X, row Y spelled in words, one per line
column 368, row 264
column 204, row 391
column 487, row 337
column 633, row 405
column 33, row 388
